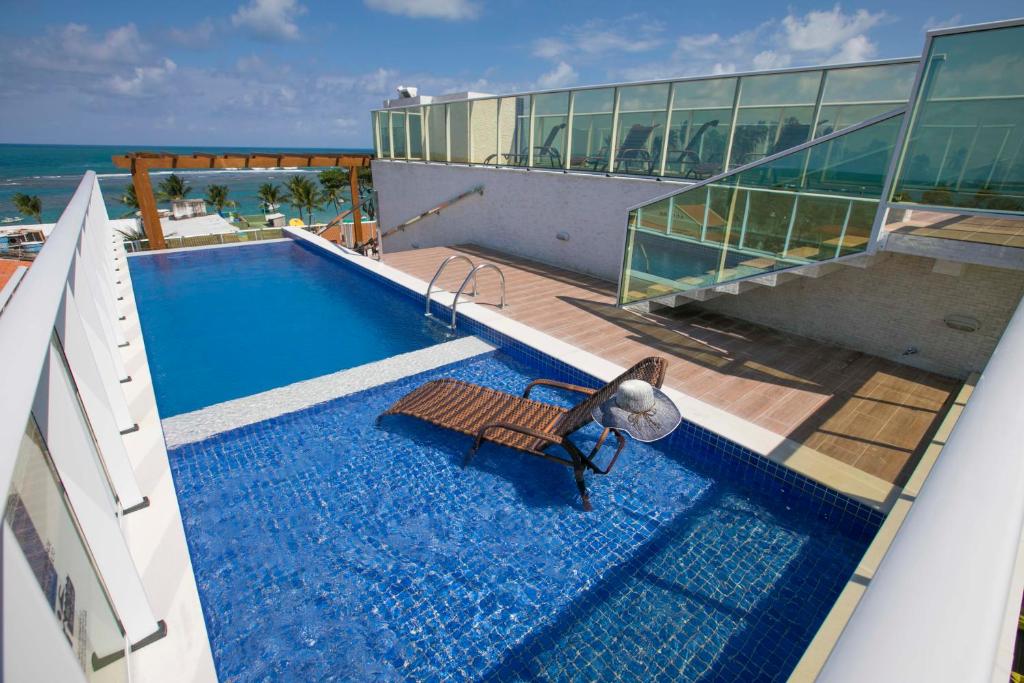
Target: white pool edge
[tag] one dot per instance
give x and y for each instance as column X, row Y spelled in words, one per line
column 156, row 534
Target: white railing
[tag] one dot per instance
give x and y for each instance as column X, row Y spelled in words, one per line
column 60, row 339
column 948, row 591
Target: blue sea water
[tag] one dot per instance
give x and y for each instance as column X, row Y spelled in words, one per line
column 225, row 323
column 53, row 172
column 328, row 546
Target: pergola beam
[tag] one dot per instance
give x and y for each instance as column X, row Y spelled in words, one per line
column 201, row 160
column 140, row 163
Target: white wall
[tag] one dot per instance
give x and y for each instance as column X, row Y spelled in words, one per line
column 520, row 212
column 896, row 303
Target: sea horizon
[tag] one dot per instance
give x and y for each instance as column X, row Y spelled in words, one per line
column 53, row 171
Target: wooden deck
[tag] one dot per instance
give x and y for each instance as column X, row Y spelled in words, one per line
column 1006, row 232
column 864, row 411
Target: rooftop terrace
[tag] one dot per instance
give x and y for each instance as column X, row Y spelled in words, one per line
column 841, row 409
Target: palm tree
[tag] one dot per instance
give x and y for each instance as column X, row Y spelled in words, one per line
column 333, row 180
column 173, row 187
column 130, row 199
column 30, row 205
column 304, row 195
column 217, row 195
column 271, row 196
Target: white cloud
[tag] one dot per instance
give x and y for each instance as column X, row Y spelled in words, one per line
column 197, row 35
column 600, row 39
column 451, row 10
column 816, row 37
column 855, row 49
column 121, row 44
column 825, row 31
column 270, row 18
column 935, row 22
column 142, row 79
column 559, row 77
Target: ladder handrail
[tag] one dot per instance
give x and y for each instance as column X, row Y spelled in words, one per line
column 472, row 276
column 477, row 189
column 440, row 269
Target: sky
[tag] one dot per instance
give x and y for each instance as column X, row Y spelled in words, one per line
column 306, row 73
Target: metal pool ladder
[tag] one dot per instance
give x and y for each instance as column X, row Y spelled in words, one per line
column 470, row 277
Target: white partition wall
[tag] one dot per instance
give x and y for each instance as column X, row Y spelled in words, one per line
column 63, row 462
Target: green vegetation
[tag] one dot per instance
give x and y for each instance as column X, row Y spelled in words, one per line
column 333, row 182
column 304, row 196
column 217, row 196
column 271, row 196
column 130, row 199
column 29, row 205
column 173, row 187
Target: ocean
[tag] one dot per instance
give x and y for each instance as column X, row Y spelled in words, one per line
column 53, row 172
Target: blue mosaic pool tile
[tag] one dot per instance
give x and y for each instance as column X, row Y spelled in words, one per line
column 329, row 547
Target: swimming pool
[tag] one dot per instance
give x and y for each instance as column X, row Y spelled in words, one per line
column 328, row 546
column 224, row 323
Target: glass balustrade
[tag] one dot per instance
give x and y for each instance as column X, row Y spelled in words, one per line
column 47, row 533
column 965, row 147
column 437, row 132
column 591, row 129
column 690, row 129
column 698, row 130
column 810, row 205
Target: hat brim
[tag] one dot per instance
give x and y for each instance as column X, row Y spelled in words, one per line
column 658, row 423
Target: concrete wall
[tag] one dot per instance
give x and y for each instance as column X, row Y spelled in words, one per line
column 520, row 212
column 897, row 303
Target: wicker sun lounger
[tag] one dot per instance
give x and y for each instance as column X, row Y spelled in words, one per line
column 520, row 422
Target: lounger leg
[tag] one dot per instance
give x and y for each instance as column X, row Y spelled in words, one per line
column 472, row 451
column 578, row 470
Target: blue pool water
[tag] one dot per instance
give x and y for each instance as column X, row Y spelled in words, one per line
column 224, row 323
column 329, row 547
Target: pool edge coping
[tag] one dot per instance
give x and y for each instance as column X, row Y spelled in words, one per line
column 851, row 482
column 155, row 535
column 821, row 646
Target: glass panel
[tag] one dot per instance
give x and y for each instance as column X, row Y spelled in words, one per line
column 484, row 122
column 835, row 117
column 398, row 134
column 698, row 132
column 966, row 144
column 47, row 533
column 437, row 136
column 592, row 129
column 855, row 95
column 458, row 130
column 642, row 116
column 514, row 131
column 385, row 135
column 375, row 124
column 550, row 115
column 775, row 113
column 811, row 205
column 415, row 122
column 887, row 83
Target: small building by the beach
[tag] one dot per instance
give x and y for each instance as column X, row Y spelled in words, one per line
column 276, row 220
column 187, row 208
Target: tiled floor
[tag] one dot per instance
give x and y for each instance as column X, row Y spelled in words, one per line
column 862, row 410
column 999, row 231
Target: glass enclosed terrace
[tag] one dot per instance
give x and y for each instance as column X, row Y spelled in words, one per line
column 689, row 129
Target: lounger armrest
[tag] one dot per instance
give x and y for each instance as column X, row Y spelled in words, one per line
column 482, row 434
column 557, row 385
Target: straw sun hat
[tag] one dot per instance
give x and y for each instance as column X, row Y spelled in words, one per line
column 639, row 409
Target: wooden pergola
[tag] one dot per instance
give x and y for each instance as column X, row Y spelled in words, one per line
column 140, row 163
